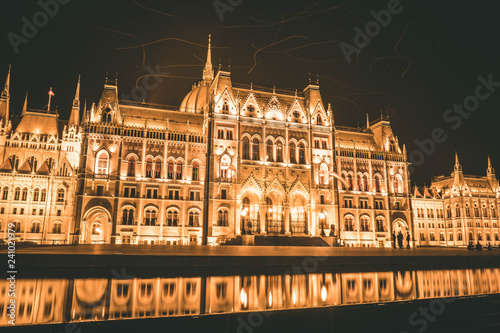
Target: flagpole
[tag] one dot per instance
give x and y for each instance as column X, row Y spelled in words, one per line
column 50, row 98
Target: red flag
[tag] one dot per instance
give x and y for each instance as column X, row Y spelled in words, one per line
column 51, row 93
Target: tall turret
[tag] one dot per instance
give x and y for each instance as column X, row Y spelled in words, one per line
column 74, row 119
column 490, row 171
column 5, row 100
column 457, row 171
column 25, row 106
column 208, row 71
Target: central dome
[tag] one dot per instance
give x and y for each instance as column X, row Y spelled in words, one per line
column 196, row 100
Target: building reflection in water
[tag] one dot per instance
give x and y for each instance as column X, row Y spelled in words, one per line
column 44, row 301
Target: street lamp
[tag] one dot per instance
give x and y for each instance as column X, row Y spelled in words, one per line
column 243, row 214
column 322, row 221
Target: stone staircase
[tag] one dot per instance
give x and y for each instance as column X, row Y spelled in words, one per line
column 281, row 240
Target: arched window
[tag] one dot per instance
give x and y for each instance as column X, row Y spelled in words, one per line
column 57, row 228
column 362, row 183
column 172, row 218
column 459, row 236
column 17, row 194
column 194, row 219
column 485, row 211
column 493, row 212
column 471, row 236
column 270, row 150
column 392, row 146
column 225, row 108
column 279, row 152
column 106, row 116
column 150, row 217
column 170, row 169
column 102, row 163
column 255, row 149
column 149, row 168
column 302, row 153
column 488, row 236
column 35, row 227
column 24, row 196
column 128, row 217
column 131, row 166
column 223, row 218
column 349, row 223
column 365, row 223
column 476, row 211
column 225, row 163
column 467, row 210
column 196, row 171
column 457, row 211
column 323, row 174
column 43, row 195
column 60, row 195
column 319, row 120
column 5, row 193
column 158, row 168
column 246, row 148
column 293, row 154
column 448, row 212
column 380, row 224
column 378, row 184
column 36, row 195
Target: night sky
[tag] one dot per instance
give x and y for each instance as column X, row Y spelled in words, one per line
column 427, row 58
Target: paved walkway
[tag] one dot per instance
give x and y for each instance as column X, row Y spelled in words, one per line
column 247, row 251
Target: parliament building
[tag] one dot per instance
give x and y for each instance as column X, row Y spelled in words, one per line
column 231, row 160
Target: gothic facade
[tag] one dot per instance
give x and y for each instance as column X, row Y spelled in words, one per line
column 39, row 158
column 231, row 160
column 458, row 209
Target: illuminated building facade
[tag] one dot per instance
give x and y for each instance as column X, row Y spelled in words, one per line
column 458, row 209
column 134, row 173
column 39, row 158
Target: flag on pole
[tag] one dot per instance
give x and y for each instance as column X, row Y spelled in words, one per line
column 51, row 93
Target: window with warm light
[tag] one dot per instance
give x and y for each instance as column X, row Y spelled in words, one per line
column 102, row 163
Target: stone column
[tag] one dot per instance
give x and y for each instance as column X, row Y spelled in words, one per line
column 262, row 214
column 286, row 207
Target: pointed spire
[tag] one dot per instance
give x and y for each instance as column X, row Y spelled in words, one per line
column 208, row 72
column 74, row 118
column 77, row 93
column 85, row 112
column 367, row 121
column 25, row 107
column 5, row 100
column 458, row 167
column 6, row 89
column 490, row 169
